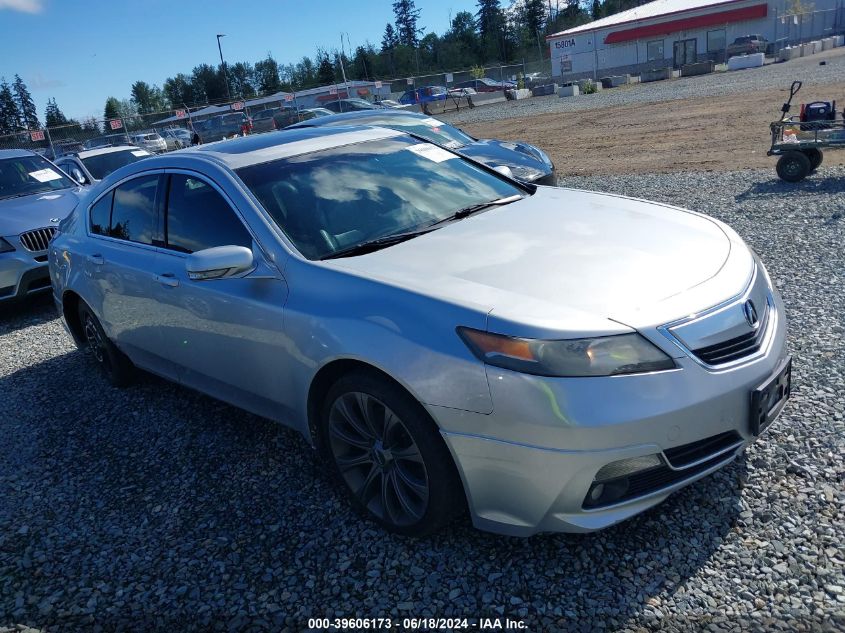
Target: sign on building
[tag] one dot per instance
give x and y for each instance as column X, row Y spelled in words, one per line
column 115, row 124
column 378, row 85
column 449, row 78
column 36, row 135
column 238, row 105
column 565, row 63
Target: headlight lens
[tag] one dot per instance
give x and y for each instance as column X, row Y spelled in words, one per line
column 525, row 174
column 601, row 356
column 5, row 247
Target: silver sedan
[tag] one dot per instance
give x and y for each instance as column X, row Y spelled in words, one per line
column 446, row 337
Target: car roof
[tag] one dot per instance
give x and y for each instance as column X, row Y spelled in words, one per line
column 262, row 148
column 88, row 153
column 357, row 118
column 16, row 153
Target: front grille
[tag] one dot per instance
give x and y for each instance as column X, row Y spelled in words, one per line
column 37, row 241
column 735, row 348
column 682, row 456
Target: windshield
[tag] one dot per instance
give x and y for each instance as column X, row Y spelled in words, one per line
column 28, row 175
column 102, row 165
column 334, row 199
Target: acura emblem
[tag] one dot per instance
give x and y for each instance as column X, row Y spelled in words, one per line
column 55, row 220
column 750, row 313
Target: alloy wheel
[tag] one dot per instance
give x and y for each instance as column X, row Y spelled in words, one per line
column 94, row 339
column 378, row 459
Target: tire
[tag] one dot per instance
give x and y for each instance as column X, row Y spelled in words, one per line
column 387, row 452
column 816, row 157
column 114, row 364
column 793, row 166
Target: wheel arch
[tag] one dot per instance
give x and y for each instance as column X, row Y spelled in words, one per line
column 70, row 312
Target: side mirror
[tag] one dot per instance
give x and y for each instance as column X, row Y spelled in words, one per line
column 504, row 170
column 220, row 262
column 78, row 176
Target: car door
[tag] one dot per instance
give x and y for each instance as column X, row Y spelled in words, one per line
column 225, row 335
column 124, row 229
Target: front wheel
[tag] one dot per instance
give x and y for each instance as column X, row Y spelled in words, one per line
column 793, row 166
column 395, row 467
column 114, row 364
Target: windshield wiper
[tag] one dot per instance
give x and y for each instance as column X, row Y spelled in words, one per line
column 375, row 244
column 389, row 240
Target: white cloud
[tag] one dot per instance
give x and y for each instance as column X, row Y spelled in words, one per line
column 25, row 6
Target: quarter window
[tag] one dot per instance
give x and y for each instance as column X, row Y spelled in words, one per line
column 133, row 216
column 101, row 215
column 654, row 50
column 198, row 217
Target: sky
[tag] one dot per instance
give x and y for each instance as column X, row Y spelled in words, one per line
column 82, row 51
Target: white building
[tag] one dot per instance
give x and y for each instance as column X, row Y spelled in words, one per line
column 677, row 32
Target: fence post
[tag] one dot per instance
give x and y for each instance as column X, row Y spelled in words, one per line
column 50, row 141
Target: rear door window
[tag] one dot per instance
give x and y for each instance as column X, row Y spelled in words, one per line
column 133, row 216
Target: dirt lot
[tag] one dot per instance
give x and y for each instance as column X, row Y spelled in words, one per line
column 699, row 134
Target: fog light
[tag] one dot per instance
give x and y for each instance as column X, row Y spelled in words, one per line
column 626, row 467
column 596, row 492
column 602, row 494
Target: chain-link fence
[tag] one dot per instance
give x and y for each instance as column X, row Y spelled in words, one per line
column 480, row 78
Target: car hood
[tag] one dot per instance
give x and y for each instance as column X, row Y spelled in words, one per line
column 36, row 211
column 566, row 260
column 520, row 157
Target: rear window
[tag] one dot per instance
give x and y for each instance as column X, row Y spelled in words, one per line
column 104, row 164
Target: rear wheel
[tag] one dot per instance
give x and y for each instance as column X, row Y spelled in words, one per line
column 816, row 157
column 793, row 166
column 394, row 465
column 114, row 364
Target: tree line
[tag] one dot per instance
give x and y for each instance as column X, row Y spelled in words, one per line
column 492, row 35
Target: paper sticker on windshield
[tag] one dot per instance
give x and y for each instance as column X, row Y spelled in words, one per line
column 45, row 175
column 431, row 122
column 431, row 152
column 140, row 152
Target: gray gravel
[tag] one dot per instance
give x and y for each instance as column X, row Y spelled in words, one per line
column 780, row 75
column 155, row 508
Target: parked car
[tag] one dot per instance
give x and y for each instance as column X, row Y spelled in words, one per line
column 526, row 162
column 318, row 112
column 263, row 121
column 449, row 338
column 34, row 196
column 288, row 116
column 64, row 146
column 223, row 126
column 150, row 141
column 90, row 166
column 176, row 138
column 746, row 45
column 349, row 105
column 486, row 84
column 391, row 103
column 109, row 140
column 424, row 94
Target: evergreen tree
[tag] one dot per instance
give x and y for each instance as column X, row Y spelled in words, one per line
column 26, row 106
column 389, row 40
column 142, row 97
column 242, row 76
column 533, row 17
column 406, row 22
column 595, row 11
column 53, row 116
column 266, row 75
column 325, row 70
column 10, row 119
column 490, row 21
column 112, row 110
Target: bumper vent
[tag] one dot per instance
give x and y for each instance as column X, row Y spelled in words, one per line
column 684, row 456
column 37, row 241
column 735, row 348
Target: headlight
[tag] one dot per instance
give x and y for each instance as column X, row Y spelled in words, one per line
column 544, row 157
column 525, row 174
column 5, row 247
column 602, row 356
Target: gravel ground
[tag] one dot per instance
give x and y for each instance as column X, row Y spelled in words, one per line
column 807, row 69
column 155, row 508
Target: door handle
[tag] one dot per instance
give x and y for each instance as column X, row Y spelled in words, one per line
column 167, row 279
column 96, row 259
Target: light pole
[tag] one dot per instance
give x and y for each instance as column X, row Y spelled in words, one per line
column 223, row 64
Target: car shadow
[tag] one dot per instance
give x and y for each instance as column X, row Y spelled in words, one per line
column 154, row 507
column 21, row 313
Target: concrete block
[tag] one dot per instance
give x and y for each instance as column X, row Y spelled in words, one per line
column 583, row 83
column 568, row 91
column 542, row 91
column 755, row 60
column 790, row 52
column 840, row 40
column 657, row 74
column 827, row 43
column 615, row 81
column 700, row 68
column 521, row 93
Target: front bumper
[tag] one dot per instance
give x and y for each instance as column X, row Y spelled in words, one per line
column 529, row 465
column 21, row 274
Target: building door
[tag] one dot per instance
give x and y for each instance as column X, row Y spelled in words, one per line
column 685, row 52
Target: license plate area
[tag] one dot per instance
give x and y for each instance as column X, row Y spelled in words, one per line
column 768, row 400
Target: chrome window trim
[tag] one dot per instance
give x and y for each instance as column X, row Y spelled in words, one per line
column 765, row 343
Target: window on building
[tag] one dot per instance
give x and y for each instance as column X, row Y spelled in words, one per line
column 715, row 41
column 654, row 50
